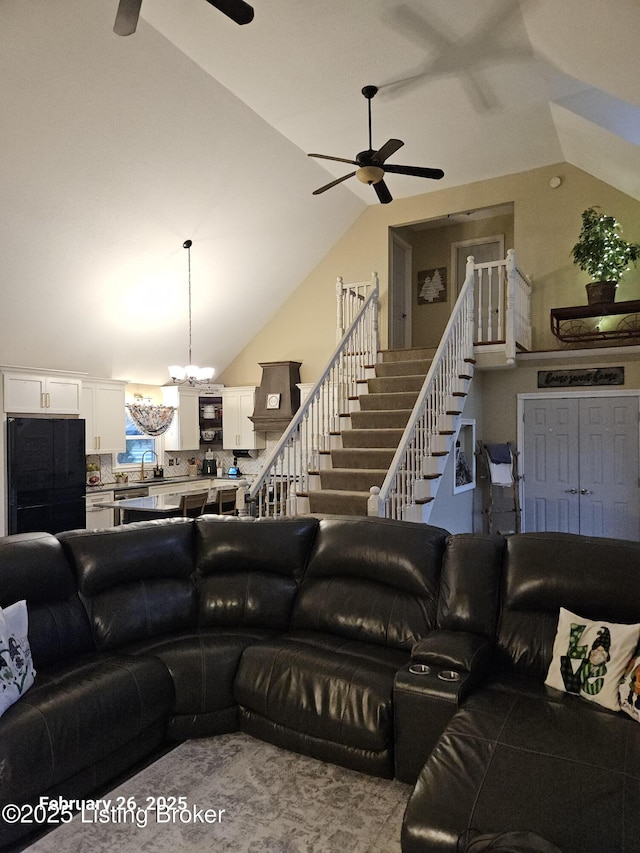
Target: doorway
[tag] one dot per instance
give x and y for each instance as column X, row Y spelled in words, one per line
column 580, row 464
column 400, row 313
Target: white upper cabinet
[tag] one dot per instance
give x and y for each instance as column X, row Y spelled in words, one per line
column 238, row 432
column 39, row 393
column 184, row 432
column 103, row 410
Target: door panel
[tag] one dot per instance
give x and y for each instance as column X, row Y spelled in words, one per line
column 609, row 467
column 581, row 465
column 551, row 465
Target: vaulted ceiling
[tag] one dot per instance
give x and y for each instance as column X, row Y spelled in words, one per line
column 116, row 150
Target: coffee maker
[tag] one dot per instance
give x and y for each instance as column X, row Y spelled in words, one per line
column 209, row 464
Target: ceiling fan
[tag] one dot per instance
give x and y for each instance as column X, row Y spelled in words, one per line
column 372, row 165
column 129, row 12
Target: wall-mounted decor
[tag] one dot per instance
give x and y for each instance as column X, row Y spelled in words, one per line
column 464, row 469
column 585, row 376
column 273, row 401
column 432, row 286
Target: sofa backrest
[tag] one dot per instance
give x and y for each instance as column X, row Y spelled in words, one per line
column 248, row 570
column 33, row 567
column 136, row 580
column 469, row 596
column 596, row 578
column 372, row 579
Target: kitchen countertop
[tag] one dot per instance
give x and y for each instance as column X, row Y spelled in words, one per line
column 153, row 503
column 159, row 481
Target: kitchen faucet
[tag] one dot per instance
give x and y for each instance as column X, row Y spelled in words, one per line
column 142, row 462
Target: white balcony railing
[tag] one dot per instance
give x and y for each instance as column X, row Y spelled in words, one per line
column 502, row 305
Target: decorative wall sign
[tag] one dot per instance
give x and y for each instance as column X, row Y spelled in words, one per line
column 432, row 286
column 586, row 376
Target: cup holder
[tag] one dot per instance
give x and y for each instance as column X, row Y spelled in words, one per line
column 420, row 669
column 449, row 675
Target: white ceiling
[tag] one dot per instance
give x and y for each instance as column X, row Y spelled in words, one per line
column 469, row 86
column 116, row 150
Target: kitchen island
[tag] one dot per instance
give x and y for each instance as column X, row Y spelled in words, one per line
column 163, row 504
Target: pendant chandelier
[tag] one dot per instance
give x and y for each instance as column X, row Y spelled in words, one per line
column 191, row 374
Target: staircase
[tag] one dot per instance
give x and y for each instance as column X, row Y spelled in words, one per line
column 364, row 449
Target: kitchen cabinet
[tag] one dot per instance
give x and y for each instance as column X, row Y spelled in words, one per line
column 40, row 393
column 238, row 432
column 103, row 410
column 184, row 432
column 98, row 517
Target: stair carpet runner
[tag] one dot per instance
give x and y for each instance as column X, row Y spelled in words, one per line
column 369, row 446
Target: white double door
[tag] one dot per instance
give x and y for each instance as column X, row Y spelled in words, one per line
column 580, row 465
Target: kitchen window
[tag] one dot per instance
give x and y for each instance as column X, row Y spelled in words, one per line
column 137, row 443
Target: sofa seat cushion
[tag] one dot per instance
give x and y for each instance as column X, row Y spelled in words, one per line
column 202, row 664
column 77, row 715
column 506, row 762
column 326, row 687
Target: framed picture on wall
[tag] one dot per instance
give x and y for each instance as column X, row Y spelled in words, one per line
column 432, row 286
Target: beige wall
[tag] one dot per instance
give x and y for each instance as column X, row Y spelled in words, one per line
column 501, row 387
column 546, row 225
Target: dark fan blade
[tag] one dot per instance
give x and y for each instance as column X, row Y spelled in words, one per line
column 415, row 171
column 339, row 159
column 127, row 17
column 390, row 147
column 237, row 10
column 333, row 184
column 382, row 191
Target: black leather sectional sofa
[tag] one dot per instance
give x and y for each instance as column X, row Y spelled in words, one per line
column 317, row 636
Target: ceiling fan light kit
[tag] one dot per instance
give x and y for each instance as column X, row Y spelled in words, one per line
column 372, row 164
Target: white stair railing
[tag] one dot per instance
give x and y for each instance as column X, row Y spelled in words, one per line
column 283, row 484
column 403, row 492
column 503, row 305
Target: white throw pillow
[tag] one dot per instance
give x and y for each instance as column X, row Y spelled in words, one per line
column 16, row 667
column 590, row 658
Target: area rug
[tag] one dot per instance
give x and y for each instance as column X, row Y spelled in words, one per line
column 236, row 793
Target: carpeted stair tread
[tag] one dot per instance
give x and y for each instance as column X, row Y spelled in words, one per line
column 389, row 401
column 362, row 457
column 352, row 479
column 382, row 419
column 395, row 384
column 407, row 354
column 372, row 437
column 338, row 502
column 403, row 368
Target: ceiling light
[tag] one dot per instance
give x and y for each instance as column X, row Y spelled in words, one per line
column 192, row 374
column 370, row 174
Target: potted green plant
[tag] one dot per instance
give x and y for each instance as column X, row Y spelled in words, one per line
column 603, row 253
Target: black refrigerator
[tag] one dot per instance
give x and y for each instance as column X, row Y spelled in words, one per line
column 46, row 474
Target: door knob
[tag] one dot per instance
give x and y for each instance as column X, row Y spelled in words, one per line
column 571, row 491
column 585, row 492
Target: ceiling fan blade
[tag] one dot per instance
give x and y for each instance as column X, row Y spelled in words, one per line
column 415, row 171
column 382, row 191
column 390, row 147
column 127, row 17
column 339, row 159
column 332, row 184
column 237, row 10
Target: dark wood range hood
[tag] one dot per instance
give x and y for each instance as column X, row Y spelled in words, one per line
column 278, row 397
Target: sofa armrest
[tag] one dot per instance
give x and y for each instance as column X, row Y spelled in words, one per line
column 445, row 667
column 456, row 650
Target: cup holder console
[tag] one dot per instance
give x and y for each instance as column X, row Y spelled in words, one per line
column 420, row 669
column 449, row 675
column 443, row 674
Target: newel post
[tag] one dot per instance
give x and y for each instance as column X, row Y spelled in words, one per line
column 339, row 309
column 373, row 502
